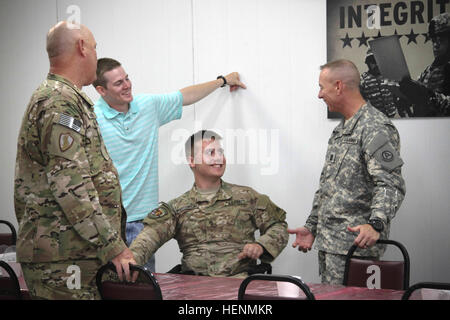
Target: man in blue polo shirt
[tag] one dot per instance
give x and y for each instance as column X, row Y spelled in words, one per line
column 129, row 126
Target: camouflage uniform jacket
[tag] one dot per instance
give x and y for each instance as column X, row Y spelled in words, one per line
column 361, row 179
column 376, row 90
column 212, row 232
column 67, row 195
column 437, row 79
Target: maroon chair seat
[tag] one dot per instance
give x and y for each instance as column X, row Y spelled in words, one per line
column 6, row 239
column 116, row 290
column 128, row 291
column 393, row 274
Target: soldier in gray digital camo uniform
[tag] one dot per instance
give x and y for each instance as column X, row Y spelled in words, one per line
column 430, row 94
column 214, row 222
column 361, row 186
column 67, row 195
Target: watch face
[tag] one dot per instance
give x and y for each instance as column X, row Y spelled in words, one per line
column 377, row 225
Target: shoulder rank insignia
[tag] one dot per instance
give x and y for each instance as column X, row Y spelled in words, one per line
column 70, row 122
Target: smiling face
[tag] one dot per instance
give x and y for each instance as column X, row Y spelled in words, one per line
column 118, row 88
column 328, row 90
column 209, row 163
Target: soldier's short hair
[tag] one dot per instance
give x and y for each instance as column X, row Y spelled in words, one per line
column 201, row 135
column 344, row 70
column 104, row 65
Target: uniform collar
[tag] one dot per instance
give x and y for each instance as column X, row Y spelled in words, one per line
column 111, row 113
column 224, row 193
column 56, row 77
column 351, row 123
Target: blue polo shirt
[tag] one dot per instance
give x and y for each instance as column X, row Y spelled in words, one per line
column 132, row 142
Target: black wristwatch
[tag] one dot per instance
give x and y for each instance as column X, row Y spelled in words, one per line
column 377, row 224
column 224, row 81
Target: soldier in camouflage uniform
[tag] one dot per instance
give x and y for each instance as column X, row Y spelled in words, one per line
column 375, row 89
column 67, row 195
column 431, row 93
column 361, row 186
column 214, row 222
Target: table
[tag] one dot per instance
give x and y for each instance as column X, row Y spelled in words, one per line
column 187, row 287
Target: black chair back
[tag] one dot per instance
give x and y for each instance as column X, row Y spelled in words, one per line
column 8, row 239
column 393, row 274
column 9, row 284
column 116, row 290
column 271, row 277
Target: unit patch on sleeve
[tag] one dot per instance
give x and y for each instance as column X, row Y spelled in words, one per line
column 157, row 213
column 65, row 141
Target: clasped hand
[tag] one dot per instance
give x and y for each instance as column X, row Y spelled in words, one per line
column 367, row 236
column 252, row 251
column 122, row 263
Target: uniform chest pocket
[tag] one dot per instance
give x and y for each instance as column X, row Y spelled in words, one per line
column 95, row 141
column 351, row 173
column 95, row 145
column 335, row 157
column 192, row 227
column 222, row 223
column 343, row 157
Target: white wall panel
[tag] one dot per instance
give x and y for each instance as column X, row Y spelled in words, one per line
column 24, row 64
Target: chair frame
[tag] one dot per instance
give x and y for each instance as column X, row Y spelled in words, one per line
column 425, row 285
column 147, row 274
column 14, row 279
column 273, row 277
column 13, row 230
column 402, row 248
column 261, row 268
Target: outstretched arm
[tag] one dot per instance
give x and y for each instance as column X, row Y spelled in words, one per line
column 195, row 93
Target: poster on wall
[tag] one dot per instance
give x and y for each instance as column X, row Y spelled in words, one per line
column 401, row 49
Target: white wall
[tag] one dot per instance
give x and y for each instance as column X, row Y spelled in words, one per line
column 277, row 46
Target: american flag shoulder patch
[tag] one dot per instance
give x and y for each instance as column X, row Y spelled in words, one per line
column 70, row 122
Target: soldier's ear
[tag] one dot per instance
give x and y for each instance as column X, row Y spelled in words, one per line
column 339, row 86
column 81, row 47
column 191, row 162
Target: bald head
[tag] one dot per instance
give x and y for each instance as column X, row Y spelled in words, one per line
column 345, row 71
column 63, row 37
column 72, row 53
